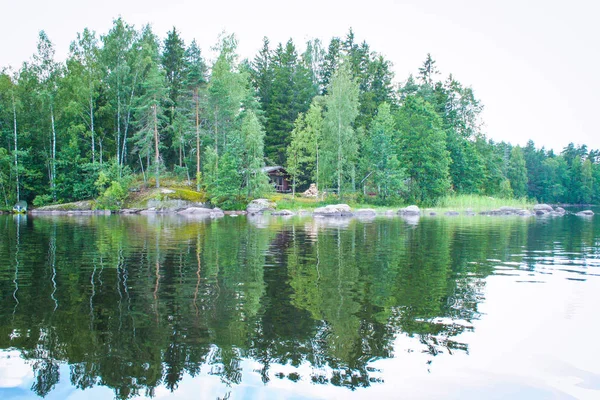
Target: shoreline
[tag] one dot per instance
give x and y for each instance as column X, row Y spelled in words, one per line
column 194, row 210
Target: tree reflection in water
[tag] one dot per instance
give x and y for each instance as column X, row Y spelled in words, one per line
column 136, row 302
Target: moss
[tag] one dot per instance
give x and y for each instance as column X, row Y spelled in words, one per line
column 140, row 199
column 86, row 205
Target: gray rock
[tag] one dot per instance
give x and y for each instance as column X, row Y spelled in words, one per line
column 130, row 211
column 410, row 210
column 585, row 213
column 283, row 213
column 432, row 213
column 469, row 213
column 334, row 210
column 542, row 207
column 508, row 210
column 365, row 212
column 169, row 206
column 451, row 213
column 560, row 210
column 259, row 206
column 540, row 212
column 202, row 212
column 524, row 213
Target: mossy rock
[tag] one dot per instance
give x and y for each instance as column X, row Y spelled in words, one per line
column 87, row 205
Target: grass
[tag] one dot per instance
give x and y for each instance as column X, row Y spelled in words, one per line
column 475, row 203
column 479, row 203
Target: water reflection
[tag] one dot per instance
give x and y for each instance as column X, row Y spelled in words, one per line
column 135, row 303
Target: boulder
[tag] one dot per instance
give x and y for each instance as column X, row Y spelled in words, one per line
column 259, row 206
column 507, row 210
column 334, row 210
column 202, row 212
column 542, row 207
column 560, row 210
column 585, row 213
column 365, row 212
column 524, row 213
column 539, row 213
column 283, row 213
column 451, row 213
column 410, row 210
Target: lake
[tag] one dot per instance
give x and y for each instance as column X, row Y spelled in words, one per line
column 477, row 307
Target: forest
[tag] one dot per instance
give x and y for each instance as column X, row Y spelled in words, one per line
column 128, row 109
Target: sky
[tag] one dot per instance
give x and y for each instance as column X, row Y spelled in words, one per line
column 532, row 63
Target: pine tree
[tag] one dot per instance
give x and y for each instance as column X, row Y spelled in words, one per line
column 517, row 172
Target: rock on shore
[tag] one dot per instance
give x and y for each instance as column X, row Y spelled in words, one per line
column 334, row 210
column 259, row 206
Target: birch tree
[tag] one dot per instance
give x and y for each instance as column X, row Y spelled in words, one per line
column 48, row 74
column 340, row 144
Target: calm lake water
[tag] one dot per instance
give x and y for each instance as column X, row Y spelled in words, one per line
column 272, row 308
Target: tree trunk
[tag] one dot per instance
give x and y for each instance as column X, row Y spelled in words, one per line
column 156, row 154
column 339, row 168
column 197, row 140
column 53, row 181
column 14, row 107
column 92, row 129
column 119, row 127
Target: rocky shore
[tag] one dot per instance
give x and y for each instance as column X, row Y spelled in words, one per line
column 266, row 207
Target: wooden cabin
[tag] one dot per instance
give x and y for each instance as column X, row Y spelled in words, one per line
column 279, row 178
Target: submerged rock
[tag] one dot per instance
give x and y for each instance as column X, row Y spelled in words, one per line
column 451, row 213
column 259, row 206
column 283, row 213
column 585, row 213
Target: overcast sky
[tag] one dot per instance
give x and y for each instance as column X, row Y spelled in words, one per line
column 533, row 64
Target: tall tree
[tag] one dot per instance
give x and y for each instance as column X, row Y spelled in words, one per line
column 382, row 159
column 121, row 60
column 149, row 109
column 517, row 172
column 422, row 146
column 195, row 83
column 84, row 68
column 340, row 144
column 49, row 73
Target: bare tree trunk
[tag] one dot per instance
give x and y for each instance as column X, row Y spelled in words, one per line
column 156, row 153
column 216, row 146
column 92, row 129
column 119, row 127
column 142, row 165
column 197, row 140
column 339, row 169
column 53, row 181
column 124, row 151
column 14, row 107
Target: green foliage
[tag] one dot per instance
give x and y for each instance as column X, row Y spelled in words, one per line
column 517, row 172
column 422, row 144
column 383, row 165
column 340, row 142
column 156, row 112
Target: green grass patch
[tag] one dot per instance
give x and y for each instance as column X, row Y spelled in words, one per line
column 480, row 203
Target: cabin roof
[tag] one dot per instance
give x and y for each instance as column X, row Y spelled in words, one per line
column 273, row 169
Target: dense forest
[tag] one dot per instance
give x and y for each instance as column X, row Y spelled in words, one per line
column 127, row 108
